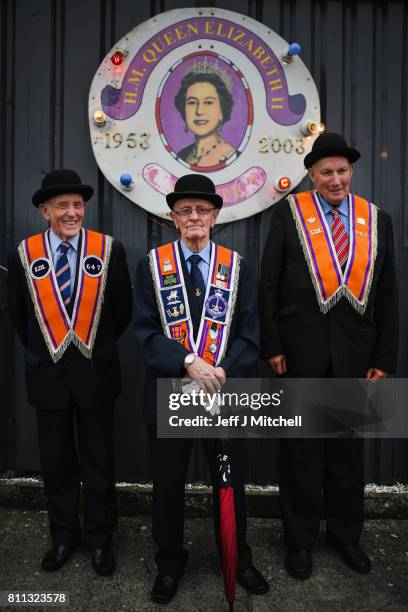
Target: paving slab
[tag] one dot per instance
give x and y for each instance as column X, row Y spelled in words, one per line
column 24, row 538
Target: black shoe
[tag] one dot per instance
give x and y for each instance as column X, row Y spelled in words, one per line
column 164, row 589
column 253, row 581
column 299, row 563
column 103, row 561
column 352, row 555
column 57, row 556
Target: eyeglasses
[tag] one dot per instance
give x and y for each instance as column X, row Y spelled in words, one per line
column 200, row 210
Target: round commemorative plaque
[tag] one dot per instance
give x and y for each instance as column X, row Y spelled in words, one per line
column 203, row 90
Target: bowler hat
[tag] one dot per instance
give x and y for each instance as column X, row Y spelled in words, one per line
column 330, row 144
column 58, row 182
column 194, row 186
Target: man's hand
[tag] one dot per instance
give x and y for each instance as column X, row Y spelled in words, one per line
column 374, row 374
column 221, row 375
column 277, row 363
column 205, row 374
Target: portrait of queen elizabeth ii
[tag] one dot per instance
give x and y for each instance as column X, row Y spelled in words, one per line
column 205, row 103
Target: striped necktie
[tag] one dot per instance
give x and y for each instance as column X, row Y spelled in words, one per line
column 340, row 238
column 63, row 273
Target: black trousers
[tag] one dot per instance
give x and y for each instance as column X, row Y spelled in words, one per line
column 64, row 465
column 312, row 471
column 170, row 463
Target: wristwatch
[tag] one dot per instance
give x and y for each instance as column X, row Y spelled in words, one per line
column 189, row 359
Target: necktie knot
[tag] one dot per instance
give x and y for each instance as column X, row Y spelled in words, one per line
column 335, row 212
column 195, row 259
column 64, row 247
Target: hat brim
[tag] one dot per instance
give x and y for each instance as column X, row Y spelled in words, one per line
column 44, row 194
column 214, row 198
column 348, row 152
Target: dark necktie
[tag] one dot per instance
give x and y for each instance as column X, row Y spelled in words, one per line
column 197, row 278
column 340, row 238
column 63, row 273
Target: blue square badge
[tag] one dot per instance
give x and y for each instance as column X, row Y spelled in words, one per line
column 173, row 304
column 216, row 305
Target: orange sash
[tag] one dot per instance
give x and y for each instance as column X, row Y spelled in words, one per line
column 219, row 300
column 330, row 282
column 58, row 328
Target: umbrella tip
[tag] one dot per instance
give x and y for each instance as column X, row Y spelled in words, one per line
column 231, row 606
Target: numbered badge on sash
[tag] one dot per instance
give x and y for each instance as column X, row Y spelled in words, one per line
column 40, row 268
column 93, row 266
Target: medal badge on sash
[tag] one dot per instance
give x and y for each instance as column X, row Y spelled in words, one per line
column 330, row 281
column 58, row 328
column 219, row 300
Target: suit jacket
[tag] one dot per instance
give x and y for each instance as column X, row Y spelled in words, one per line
column 165, row 357
column 292, row 323
column 92, row 382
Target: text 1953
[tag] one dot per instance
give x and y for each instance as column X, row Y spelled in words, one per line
column 132, row 140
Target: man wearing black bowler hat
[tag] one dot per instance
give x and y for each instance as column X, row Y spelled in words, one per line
column 328, row 309
column 189, row 341
column 69, row 298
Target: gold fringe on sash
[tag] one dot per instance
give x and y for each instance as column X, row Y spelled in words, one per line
column 233, row 298
column 87, row 351
column 361, row 306
column 324, row 306
column 231, row 305
column 156, row 287
column 71, row 335
column 343, row 290
column 55, row 355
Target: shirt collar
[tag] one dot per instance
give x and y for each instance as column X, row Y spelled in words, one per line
column 343, row 208
column 55, row 241
column 205, row 253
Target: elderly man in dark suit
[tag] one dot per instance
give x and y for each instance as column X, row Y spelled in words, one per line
column 195, row 341
column 70, row 298
column 329, row 309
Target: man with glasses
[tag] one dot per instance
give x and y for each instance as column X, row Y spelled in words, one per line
column 328, row 309
column 70, row 298
column 174, row 287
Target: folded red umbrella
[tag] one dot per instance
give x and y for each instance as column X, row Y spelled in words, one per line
column 228, row 530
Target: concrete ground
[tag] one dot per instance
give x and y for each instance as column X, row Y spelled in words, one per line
column 333, row 587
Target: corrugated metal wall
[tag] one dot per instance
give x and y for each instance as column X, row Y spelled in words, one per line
column 49, row 51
